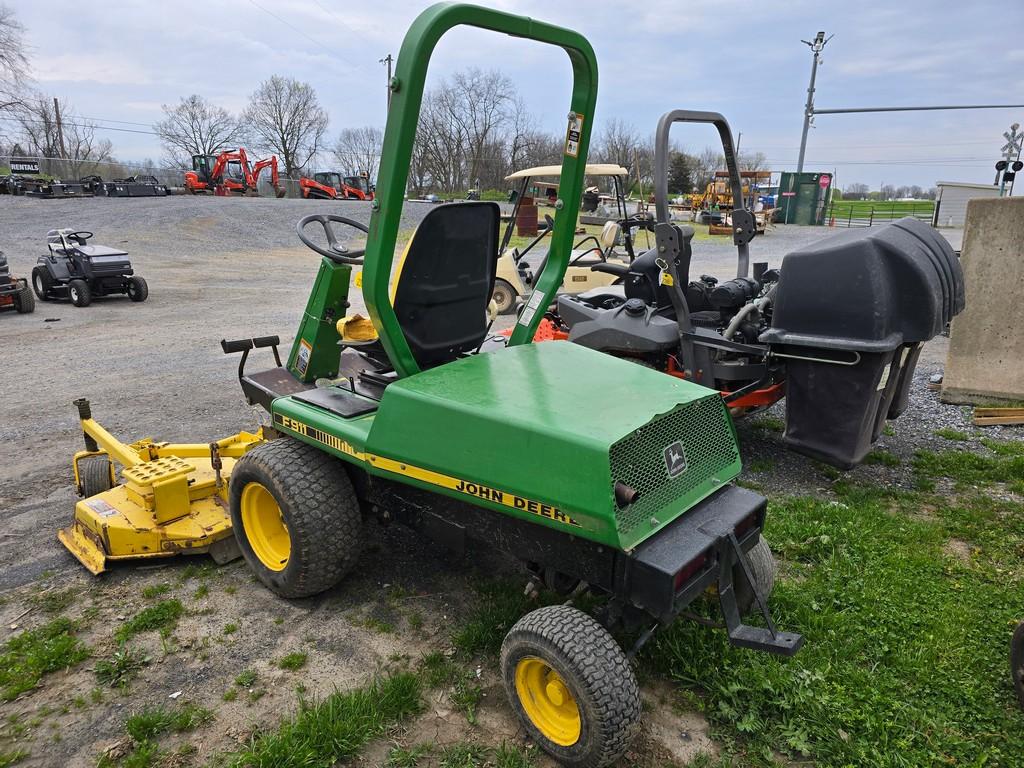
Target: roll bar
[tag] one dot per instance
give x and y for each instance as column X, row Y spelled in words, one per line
column 743, row 220
column 406, row 99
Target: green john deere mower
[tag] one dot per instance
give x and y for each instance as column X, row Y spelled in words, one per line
column 425, row 420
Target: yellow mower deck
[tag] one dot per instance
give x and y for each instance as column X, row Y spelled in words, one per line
column 172, row 500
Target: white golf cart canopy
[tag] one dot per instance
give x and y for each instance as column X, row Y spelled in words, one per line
column 591, row 169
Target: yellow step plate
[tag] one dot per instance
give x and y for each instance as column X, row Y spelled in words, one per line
column 157, row 470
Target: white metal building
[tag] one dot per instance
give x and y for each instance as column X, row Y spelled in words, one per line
column 951, row 201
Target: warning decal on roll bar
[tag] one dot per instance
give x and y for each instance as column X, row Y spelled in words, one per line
column 572, row 135
column 531, row 308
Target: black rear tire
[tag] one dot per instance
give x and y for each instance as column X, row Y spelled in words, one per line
column 79, row 293
column 24, row 301
column 762, row 565
column 41, row 283
column 137, row 288
column 317, row 506
column 585, row 662
column 94, row 475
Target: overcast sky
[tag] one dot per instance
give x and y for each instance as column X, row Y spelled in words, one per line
column 119, row 60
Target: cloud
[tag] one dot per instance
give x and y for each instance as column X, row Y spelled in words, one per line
column 82, row 66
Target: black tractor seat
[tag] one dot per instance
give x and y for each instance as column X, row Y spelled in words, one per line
column 446, row 281
column 597, row 297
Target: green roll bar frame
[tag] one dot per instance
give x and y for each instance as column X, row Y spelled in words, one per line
column 396, row 155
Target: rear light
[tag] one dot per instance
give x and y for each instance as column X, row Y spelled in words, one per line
column 745, row 524
column 692, row 568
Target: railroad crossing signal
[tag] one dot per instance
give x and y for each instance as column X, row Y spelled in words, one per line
column 1011, row 150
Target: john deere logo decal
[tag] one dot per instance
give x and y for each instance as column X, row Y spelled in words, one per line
column 675, row 460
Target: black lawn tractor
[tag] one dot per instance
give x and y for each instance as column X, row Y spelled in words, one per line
column 80, row 272
column 837, row 329
column 14, row 291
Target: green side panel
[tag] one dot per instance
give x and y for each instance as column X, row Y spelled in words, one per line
column 315, row 352
column 345, row 438
column 558, row 424
column 400, row 133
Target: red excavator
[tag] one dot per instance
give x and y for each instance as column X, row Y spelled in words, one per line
column 230, row 173
column 331, row 185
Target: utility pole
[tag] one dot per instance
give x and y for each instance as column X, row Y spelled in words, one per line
column 817, row 45
column 60, row 129
column 387, row 62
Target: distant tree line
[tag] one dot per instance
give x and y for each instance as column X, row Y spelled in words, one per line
column 860, row 191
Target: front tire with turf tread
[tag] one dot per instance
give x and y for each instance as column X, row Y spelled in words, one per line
column 596, row 672
column 94, row 475
column 319, row 507
column 762, row 565
column 24, row 301
column 79, row 293
column 137, row 288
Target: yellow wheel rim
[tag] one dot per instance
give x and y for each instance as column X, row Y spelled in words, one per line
column 264, row 527
column 547, row 701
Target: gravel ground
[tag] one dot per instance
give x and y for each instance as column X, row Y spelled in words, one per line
column 232, row 268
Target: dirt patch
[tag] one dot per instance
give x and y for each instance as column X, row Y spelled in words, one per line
column 959, row 550
column 669, row 727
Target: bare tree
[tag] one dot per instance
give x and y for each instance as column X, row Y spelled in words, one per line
column 442, row 140
column 75, row 143
column 704, row 166
column 750, row 161
column 618, row 143
column 13, row 60
column 358, row 149
column 856, row 191
column 285, row 117
column 194, row 126
column 481, row 105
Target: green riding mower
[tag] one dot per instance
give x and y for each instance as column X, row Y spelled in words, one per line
column 642, row 508
column 417, row 415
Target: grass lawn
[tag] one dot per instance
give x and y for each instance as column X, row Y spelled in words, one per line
column 883, row 209
column 907, row 601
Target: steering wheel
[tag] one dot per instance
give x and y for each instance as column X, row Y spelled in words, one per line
column 334, row 251
column 81, row 236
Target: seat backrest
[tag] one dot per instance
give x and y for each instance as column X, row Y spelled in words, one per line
column 446, row 281
column 609, row 234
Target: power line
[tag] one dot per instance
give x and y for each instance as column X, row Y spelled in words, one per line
column 79, row 125
column 298, row 31
column 112, row 120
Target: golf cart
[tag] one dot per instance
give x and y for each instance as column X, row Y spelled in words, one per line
column 419, row 416
column 81, row 272
column 14, row 291
column 837, row 329
column 518, row 267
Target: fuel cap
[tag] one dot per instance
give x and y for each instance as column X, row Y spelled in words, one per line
column 635, row 307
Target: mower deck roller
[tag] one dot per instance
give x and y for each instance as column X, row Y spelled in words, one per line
column 172, row 499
